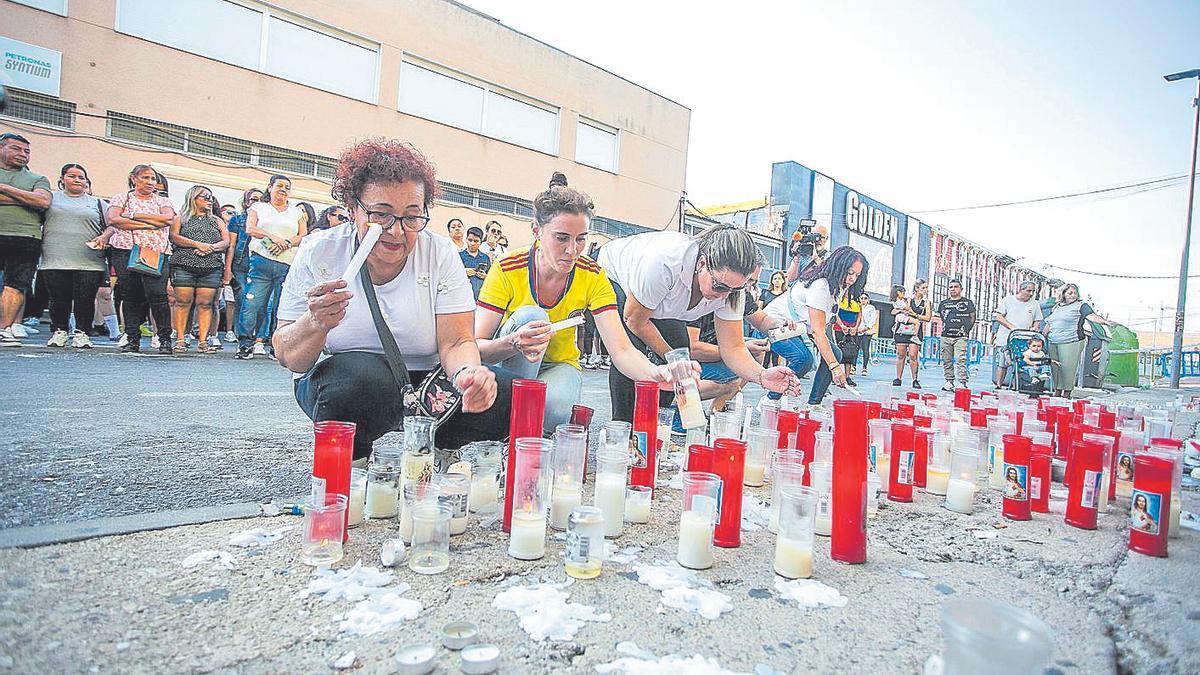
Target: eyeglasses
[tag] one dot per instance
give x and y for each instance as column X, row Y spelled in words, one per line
column 207, row 198
column 339, row 217
column 387, row 220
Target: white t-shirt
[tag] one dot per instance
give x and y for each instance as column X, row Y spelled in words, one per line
column 794, row 305
column 657, row 269
column 432, row 282
column 280, row 225
column 1020, row 314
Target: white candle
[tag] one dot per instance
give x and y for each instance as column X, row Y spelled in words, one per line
column 405, row 525
column 1103, row 505
column 610, row 499
column 793, row 558
column 691, row 412
column 637, row 510
column 753, row 474
column 458, row 513
column 527, row 540
column 960, row 495
column 381, row 500
column 883, row 467
column 822, row 524
column 360, row 256
column 564, row 499
column 1176, row 508
column 483, row 494
column 695, row 540
column 935, row 480
column 996, row 479
column 358, row 498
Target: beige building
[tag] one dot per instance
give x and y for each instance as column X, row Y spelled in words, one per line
column 227, row 92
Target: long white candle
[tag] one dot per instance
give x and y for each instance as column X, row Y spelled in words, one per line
column 358, row 496
column 691, row 413
column 381, row 500
column 695, row 540
column 610, row 499
column 360, row 256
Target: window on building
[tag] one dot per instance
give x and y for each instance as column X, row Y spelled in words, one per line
column 39, row 108
column 233, row 32
column 596, row 145
column 457, row 100
column 56, row 6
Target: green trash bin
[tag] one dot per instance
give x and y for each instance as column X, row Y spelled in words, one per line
column 1122, row 368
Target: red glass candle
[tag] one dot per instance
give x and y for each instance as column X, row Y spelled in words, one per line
column 1112, row 459
column 962, row 398
column 581, row 415
column 1063, row 420
column 524, row 421
column 874, row 410
column 1086, row 470
column 1015, row 503
column 1039, row 478
column 848, row 539
column 922, row 443
column 729, row 462
column 1078, row 404
column 1174, row 443
column 922, row 421
column 806, row 443
column 1108, row 419
column 978, row 418
column 1020, row 420
column 887, row 414
column 903, row 457
column 644, row 471
column 333, row 450
column 1150, row 503
column 786, row 425
column 905, row 410
column 700, row 458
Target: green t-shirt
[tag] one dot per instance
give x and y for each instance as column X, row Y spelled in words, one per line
column 21, row 221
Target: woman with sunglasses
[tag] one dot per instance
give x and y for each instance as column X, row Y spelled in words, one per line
column 663, row 280
column 201, row 239
column 331, row 217
column 328, row 334
column 275, row 229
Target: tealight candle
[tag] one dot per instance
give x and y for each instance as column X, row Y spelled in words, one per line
column 416, row 660
column 459, row 634
column 480, row 659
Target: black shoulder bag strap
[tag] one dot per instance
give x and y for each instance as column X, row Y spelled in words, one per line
column 391, row 350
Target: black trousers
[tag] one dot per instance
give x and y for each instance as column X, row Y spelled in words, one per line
column 71, row 290
column 142, row 295
column 358, row 387
column 620, row 388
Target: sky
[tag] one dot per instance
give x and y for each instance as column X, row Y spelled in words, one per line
column 932, row 105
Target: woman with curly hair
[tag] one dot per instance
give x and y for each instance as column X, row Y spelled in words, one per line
column 327, row 334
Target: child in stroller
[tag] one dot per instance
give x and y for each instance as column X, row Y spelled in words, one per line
column 1028, row 350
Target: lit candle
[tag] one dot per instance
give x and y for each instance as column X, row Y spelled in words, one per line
column 960, row 495
column 610, row 498
column 695, row 540
column 691, row 413
column 527, row 539
column 793, row 558
column 483, row 494
column 566, row 496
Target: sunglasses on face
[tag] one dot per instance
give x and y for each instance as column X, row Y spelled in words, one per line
column 339, row 217
column 207, row 198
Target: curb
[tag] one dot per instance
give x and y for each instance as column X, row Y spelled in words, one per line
column 46, row 535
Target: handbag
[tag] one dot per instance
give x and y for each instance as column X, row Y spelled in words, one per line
column 147, row 262
column 436, row 396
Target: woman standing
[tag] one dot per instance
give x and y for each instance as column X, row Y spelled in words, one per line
column 275, row 229
column 457, row 232
column 142, row 217
column 868, row 328
column 911, row 333
column 665, row 279
column 551, row 280
column 200, row 240
column 237, row 262
column 810, row 301
column 774, row 289
column 1064, row 330
column 71, row 270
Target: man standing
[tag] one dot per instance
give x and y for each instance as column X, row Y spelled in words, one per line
column 24, row 198
column 476, row 262
column 958, row 318
column 1015, row 312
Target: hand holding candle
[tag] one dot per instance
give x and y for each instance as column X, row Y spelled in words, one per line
column 374, row 232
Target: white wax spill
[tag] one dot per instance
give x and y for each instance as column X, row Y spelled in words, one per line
column 628, row 648
column 353, row 584
column 1189, row 520
column 704, row 601
column 545, row 613
column 667, row 665
column 622, row 556
column 221, row 558
column 912, row 574
column 259, row 537
column 661, row 576
column 345, row 660
column 810, row 593
column 360, row 256
column 380, row 613
column 755, row 513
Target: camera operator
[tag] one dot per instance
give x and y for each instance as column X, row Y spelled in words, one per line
column 810, row 243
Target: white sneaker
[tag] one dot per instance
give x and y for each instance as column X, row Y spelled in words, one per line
column 27, row 329
column 259, row 349
column 7, row 339
column 80, row 340
column 949, row 386
column 19, row 331
column 154, row 341
column 124, row 340
column 215, row 342
column 58, row 339
column 230, row 336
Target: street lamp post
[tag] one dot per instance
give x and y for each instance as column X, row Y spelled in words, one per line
column 1180, row 310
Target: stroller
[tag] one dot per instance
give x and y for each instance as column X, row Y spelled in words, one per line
column 1018, row 377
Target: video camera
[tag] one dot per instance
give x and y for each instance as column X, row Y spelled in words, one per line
column 805, row 239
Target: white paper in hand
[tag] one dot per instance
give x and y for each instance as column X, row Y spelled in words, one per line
column 374, row 232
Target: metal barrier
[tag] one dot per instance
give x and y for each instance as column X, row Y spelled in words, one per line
column 1190, row 364
column 931, row 351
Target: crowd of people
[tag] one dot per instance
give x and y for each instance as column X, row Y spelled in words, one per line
column 441, row 325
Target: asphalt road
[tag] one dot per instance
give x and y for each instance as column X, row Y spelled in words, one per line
column 91, row 434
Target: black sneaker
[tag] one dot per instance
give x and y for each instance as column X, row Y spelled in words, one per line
column 850, row 381
column 243, row 354
column 896, row 382
column 916, row 384
column 131, row 348
column 165, row 347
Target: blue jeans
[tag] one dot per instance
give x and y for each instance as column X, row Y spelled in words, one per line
column 717, row 371
column 564, row 381
column 824, row 376
column 799, row 359
column 263, row 281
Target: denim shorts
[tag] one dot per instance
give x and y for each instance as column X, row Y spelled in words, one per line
column 717, row 371
column 196, row 277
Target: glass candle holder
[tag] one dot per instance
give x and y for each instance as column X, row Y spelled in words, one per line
column 785, row 425
column 789, row 473
column 1086, row 471
column 922, row 446
column 760, row 445
column 358, row 497
column 987, row 637
column 938, row 473
column 822, row 483
column 1150, row 503
column 637, row 504
column 581, row 416
column 880, row 441
column 1015, row 500
column 430, row 550
column 903, row 460
column 324, row 530
column 701, row 508
column 997, row 430
column 1063, row 419
column 848, row 536
column 584, row 552
column 415, row 494
column 960, row 488
column 644, row 469
column 695, row 437
column 383, row 484
column 609, row 497
column 768, row 412
column 1108, row 444
column 333, row 450
column 700, row 458
column 873, row 488
column 729, row 462
column 454, row 492
column 806, row 443
column 485, row 479
column 687, row 393
column 726, row 425
column 1040, row 468
column 570, row 444
column 1129, row 445
column 531, row 498
column 1172, row 448
column 525, row 421
column 794, row 542
column 418, row 464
